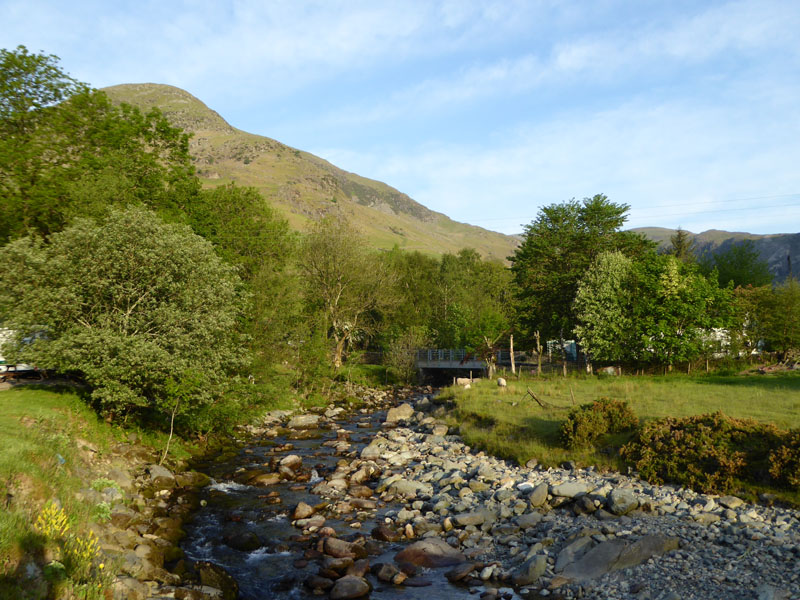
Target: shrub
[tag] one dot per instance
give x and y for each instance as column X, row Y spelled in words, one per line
column 585, row 424
column 710, row 452
column 785, row 461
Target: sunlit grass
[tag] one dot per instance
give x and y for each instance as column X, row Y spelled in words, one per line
column 511, row 424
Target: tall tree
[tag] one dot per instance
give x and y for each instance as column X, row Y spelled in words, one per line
column 346, row 282
column 66, row 151
column 739, row 264
column 139, row 309
column 656, row 310
column 558, row 248
column 683, row 246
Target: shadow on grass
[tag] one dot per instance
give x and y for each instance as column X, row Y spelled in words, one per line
column 772, row 382
column 19, row 584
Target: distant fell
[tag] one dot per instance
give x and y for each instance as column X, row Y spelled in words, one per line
column 305, row 187
column 772, row 248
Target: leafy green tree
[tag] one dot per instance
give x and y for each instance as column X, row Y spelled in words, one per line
column 249, row 234
column 345, row 282
column 739, row 264
column 67, row 151
column 655, row 310
column 401, row 354
column 604, row 310
column 145, row 312
column 779, row 316
column 558, row 248
column 682, row 246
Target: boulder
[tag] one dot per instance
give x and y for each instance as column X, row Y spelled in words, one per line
column 570, row 489
column 530, row 571
column 617, row 554
column 304, row 422
column 302, row 511
column 349, row 587
column 430, row 552
column 621, row 502
column 538, row 495
column 216, row 577
column 400, row 413
column 160, row 477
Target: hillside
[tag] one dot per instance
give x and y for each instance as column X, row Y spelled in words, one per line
column 773, row 248
column 305, row 187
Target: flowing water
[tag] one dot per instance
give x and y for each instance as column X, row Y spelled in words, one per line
column 276, row 568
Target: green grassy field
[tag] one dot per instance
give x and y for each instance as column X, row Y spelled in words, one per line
column 511, row 424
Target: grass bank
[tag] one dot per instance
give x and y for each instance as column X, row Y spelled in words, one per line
column 509, row 423
column 52, row 446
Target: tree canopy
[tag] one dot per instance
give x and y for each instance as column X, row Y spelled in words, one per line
column 559, row 246
column 67, row 151
column 131, row 305
column 739, row 264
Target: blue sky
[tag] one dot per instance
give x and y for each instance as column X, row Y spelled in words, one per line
column 486, row 111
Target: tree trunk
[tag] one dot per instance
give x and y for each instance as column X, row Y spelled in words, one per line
column 538, row 355
column 338, row 351
column 511, row 351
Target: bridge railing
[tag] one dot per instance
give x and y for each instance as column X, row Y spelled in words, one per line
column 444, row 354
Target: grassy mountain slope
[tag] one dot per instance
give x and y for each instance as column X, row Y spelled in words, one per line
column 773, row 248
column 305, row 187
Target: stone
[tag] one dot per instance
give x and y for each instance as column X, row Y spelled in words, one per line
column 292, row 461
column 617, row 554
column 621, row 502
column 304, row 422
column 461, row 571
column 538, row 495
column 569, row 489
column 430, row 552
column 530, row 571
column 161, row 478
column 731, row 502
column 241, row 539
column 216, row 577
column 349, row 587
column 302, row 511
column 399, row 413
column 478, row 517
column 409, row 488
column 572, row 552
column 341, row 549
column 528, row 520
column 386, row 572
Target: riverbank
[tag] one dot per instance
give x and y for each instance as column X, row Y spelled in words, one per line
column 391, row 493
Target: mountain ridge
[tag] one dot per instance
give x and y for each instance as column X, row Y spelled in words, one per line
column 305, row 187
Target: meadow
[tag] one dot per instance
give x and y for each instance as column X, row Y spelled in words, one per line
column 510, row 423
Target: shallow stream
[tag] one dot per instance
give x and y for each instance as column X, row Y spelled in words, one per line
column 278, row 567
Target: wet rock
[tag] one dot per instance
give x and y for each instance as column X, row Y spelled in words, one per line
column 462, row 571
column 317, row 582
column 341, row 549
column 192, row 479
column 302, row 511
column 384, row 533
column 349, row 587
column 216, row 577
column 530, row 571
column 241, row 539
column 292, row 461
column 304, row 422
column 430, row 552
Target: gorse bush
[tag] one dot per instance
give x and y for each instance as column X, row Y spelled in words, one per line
column 585, row 424
column 785, row 461
column 712, row 453
column 79, row 570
